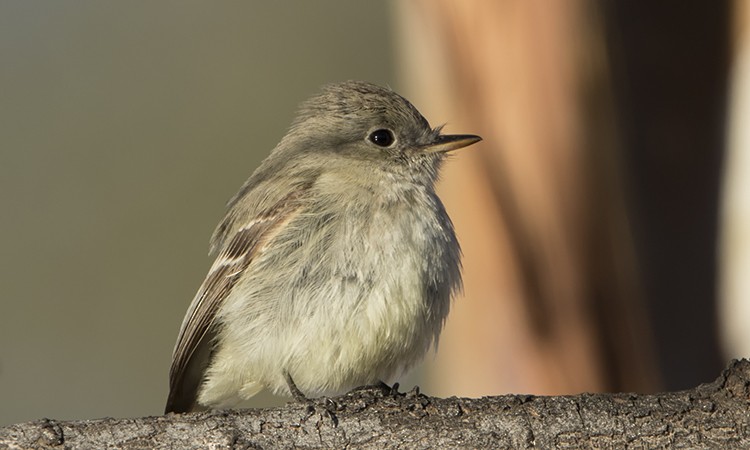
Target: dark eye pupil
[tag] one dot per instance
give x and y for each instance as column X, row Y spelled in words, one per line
column 383, row 138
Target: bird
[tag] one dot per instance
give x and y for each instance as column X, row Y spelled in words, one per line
column 336, row 262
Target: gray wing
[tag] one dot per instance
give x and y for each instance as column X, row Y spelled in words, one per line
column 192, row 353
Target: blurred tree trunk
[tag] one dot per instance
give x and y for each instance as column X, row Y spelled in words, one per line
column 552, row 303
column 734, row 298
column 671, row 61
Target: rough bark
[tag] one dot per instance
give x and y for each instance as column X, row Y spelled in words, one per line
column 715, row 415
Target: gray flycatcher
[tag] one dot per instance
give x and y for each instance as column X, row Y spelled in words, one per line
column 336, row 259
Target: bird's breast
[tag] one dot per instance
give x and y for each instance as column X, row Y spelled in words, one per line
column 354, row 287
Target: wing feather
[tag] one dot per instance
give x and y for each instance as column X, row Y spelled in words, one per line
column 192, row 352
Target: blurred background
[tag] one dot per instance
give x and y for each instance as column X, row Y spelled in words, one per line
column 603, row 218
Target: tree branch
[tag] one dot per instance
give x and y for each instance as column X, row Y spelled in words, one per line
column 710, row 415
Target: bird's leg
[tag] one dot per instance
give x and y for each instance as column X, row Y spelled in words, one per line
column 330, row 405
column 296, row 393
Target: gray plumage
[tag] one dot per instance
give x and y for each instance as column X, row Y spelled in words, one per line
column 336, row 261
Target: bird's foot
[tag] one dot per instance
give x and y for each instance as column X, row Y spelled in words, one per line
column 329, row 406
column 380, row 387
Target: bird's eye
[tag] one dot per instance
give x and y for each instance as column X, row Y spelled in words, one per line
column 382, row 137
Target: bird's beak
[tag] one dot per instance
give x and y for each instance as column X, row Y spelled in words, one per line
column 447, row 142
